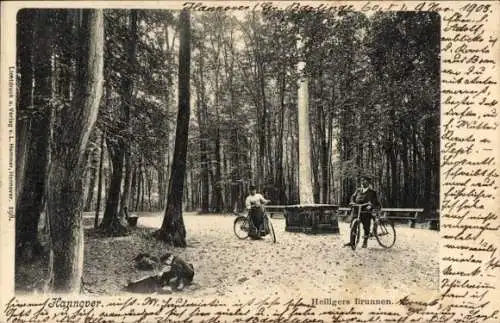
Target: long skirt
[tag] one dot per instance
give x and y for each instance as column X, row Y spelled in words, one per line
column 257, row 216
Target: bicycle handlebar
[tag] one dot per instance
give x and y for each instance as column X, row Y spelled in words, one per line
column 360, row 205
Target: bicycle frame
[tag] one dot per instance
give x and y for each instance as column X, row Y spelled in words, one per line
column 378, row 224
column 357, row 208
column 268, row 227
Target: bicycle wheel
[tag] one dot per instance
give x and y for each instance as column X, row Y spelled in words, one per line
column 241, row 227
column 352, row 222
column 385, row 233
column 355, row 233
column 270, row 229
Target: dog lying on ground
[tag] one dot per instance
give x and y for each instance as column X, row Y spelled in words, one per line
column 178, row 274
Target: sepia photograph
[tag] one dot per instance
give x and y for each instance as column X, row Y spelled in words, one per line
column 245, row 161
column 228, row 153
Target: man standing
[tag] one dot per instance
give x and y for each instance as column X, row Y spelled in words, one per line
column 366, row 194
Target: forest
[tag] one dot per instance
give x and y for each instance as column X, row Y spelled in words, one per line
column 155, row 110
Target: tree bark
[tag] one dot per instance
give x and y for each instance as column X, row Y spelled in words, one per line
column 218, row 195
column 99, row 181
column 30, row 204
column 110, row 221
column 120, row 147
column 325, row 157
column 71, row 132
column 127, row 183
column 26, row 23
column 139, row 186
column 202, row 121
column 172, row 230
column 280, row 147
column 94, row 169
column 128, row 102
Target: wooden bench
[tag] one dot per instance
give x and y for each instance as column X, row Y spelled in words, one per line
column 411, row 214
column 414, row 215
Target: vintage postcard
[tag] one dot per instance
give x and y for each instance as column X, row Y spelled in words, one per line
column 249, row 161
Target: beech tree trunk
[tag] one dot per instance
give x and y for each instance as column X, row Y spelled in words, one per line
column 172, row 230
column 218, row 195
column 26, row 20
column 30, row 203
column 110, row 221
column 128, row 101
column 72, row 127
column 94, row 169
column 202, row 121
column 99, row 181
column 119, row 148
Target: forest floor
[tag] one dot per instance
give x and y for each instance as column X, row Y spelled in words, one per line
column 298, row 264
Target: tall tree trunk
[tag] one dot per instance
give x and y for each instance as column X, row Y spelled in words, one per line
column 128, row 101
column 219, row 200
column 315, row 133
column 261, row 124
column 127, row 184
column 133, row 188
column 172, row 230
column 26, row 26
column 280, row 146
column 236, row 193
column 202, row 115
column 330, row 170
column 150, row 187
column 120, row 154
column 435, row 150
column 127, row 89
column 407, row 199
column 99, row 181
column 430, row 196
column 394, row 177
column 139, row 186
column 30, row 204
column 325, row 158
column 94, row 169
column 72, row 128
column 234, row 159
column 161, row 185
column 143, row 184
column 110, row 221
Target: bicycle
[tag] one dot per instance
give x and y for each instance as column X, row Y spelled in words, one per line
column 383, row 229
column 243, row 225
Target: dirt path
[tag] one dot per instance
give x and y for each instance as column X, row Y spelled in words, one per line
column 300, row 264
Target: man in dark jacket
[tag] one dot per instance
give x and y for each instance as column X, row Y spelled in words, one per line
column 366, row 194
